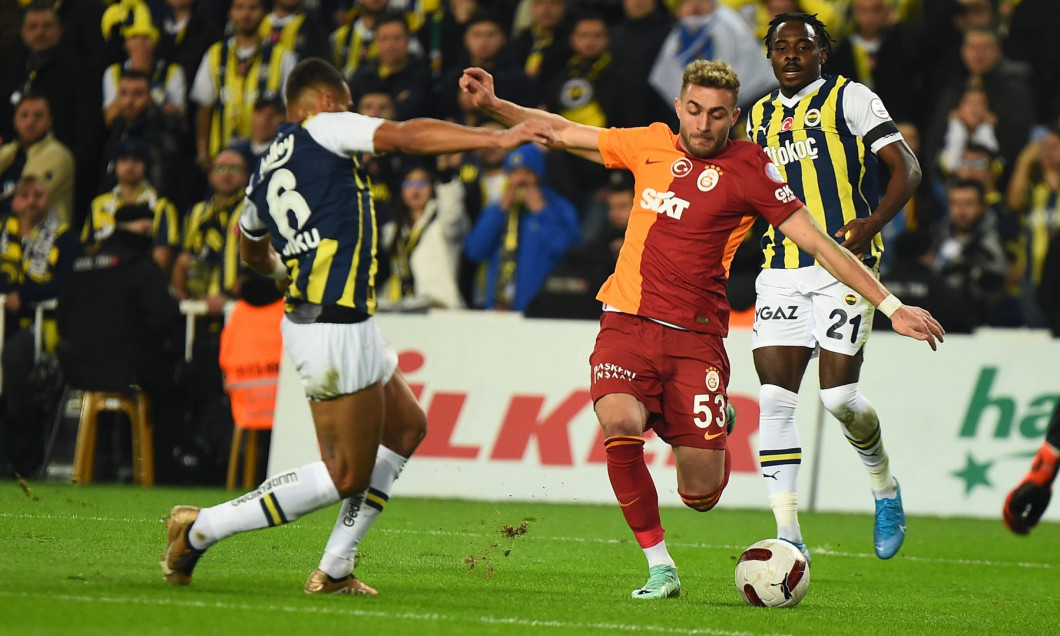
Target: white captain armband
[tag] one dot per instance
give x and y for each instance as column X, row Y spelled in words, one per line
column 889, row 305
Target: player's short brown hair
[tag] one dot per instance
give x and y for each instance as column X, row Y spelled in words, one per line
column 711, row 74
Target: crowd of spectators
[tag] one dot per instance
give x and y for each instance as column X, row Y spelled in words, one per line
column 168, row 104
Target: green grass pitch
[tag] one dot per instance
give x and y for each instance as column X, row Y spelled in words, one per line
column 85, row 561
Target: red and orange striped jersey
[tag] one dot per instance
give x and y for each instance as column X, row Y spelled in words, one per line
column 688, row 217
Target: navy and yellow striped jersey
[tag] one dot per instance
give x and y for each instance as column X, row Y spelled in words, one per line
column 824, row 141
column 1040, row 222
column 310, row 196
column 298, row 32
column 286, row 34
column 100, row 222
column 10, row 253
column 231, row 83
column 48, row 253
column 211, row 238
column 352, row 44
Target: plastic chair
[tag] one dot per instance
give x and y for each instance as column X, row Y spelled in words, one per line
column 136, row 407
column 249, row 454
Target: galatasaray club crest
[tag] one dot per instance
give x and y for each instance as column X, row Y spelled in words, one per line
column 708, row 179
column 681, row 167
column 713, row 379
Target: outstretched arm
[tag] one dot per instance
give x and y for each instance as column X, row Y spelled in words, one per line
column 426, row 136
column 575, row 138
column 913, row 322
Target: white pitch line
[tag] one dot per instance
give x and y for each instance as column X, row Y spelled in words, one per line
column 356, row 612
column 598, row 540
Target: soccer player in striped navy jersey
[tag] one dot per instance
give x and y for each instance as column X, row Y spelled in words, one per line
column 309, row 222
column 659, row 360
column 826, row 134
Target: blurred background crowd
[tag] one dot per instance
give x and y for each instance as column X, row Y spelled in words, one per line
column 129, row 129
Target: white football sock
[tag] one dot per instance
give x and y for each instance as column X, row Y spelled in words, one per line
column 780, row 455
column 359, row 512
column 786, row 511
column 861, row 426
column 278, row 500
column 658, row 555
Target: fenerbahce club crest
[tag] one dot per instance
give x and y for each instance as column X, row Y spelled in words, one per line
column 713, row 379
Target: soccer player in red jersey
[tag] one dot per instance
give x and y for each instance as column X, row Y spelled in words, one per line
column 659, row 360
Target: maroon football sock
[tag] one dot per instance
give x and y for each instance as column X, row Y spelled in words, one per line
column 634, row 488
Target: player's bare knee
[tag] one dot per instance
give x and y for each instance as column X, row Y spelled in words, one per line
column 405, row 435
column 406, row 423
column 347, row 487
column 347, row 480
column 620, row 415
column 418, row 425
column 615, row 425
column 414, row 433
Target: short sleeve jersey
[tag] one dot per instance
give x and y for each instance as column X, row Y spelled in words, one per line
column 824, row 140
column 688, row 217
column 310, row 196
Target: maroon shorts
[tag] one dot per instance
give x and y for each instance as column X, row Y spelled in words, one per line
column 680, row 376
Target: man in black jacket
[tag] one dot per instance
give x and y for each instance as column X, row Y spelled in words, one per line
column 912, row 276
column 46, row 66
column 1007, row 85
column 570, row 289
column 169, row 168
column 118, row 325
column 397, row 71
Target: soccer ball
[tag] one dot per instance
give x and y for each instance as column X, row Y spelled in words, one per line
column 772, row 573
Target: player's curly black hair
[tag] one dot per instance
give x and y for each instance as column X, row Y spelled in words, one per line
column 824, row 40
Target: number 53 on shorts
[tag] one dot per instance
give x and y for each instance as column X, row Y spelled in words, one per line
column 705, row 416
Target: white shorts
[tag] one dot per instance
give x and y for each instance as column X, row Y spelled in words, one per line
column 807, row 307
column 338, row 359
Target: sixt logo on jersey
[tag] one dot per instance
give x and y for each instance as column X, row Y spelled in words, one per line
column 663, row 203
column 793, row 151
